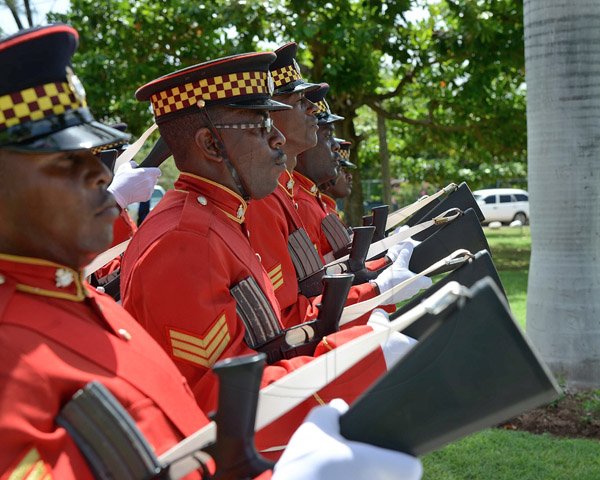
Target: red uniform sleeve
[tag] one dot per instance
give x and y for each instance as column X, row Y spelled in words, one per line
column 378, row 264
column 123, row 228
column 312, row 215
column 185, row 304
column 272, row 439
column 269, row 240
column 31, row 441
column 37, row 378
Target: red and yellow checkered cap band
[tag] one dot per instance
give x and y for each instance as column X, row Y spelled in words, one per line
column 216, row 88
column 36, row 103
column 345, row 154
column 322, row 107
column 283, row 76
column 109, row 146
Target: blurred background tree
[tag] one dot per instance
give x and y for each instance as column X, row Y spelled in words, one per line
column 446, row 77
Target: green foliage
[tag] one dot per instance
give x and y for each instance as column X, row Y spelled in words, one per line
column 591, row 404
column 125, row 44
column 462, row 115
column 451, row 81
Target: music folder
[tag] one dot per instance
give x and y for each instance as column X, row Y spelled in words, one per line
column 467, row 274
column 474, row 370
column 461, row 198
column 462, row 232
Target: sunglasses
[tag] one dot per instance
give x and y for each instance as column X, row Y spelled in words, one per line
column 267, row 124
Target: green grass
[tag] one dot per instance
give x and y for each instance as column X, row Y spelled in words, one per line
column 496, row 454
column 508, row 455
column 511, row 248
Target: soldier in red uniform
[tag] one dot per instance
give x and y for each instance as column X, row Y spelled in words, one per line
column 190, row 275
column 320, row 165
column 56, row 332
column 287, row 252
column 316, row 166
column 271, row 240
column 341, row 187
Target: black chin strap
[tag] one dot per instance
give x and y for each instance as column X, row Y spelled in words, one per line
column 221, row 147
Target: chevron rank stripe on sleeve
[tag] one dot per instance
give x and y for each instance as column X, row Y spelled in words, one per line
column 276, row 277
column 203, row 351
column 30, row 467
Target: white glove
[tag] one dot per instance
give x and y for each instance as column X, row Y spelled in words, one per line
column 397, row 345
column 394, row 250
column 131, row 184
column 317, row 451
column 397, row 273
column 399, row 229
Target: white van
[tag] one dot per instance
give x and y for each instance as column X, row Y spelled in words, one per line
column 503, row 204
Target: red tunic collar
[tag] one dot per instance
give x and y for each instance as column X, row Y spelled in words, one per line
column 287, row 183
column 226, row 200
column 329, row 201
column 306, row 184
column 44, row 278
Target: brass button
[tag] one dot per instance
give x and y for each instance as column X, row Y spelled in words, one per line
column 240, row 211
column 124, row 334
column 202, row 200
column 2, row 279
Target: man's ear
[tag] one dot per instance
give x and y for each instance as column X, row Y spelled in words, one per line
column 208, row 144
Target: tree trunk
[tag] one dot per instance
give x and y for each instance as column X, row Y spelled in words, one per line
column 384, row 155
column 28, row 12
column 353, row 205
column 562, row 59
column 11, row 5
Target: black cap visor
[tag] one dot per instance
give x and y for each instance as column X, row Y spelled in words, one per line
column 327, row 118
column 347, row 164
column 92, row 135
column 261, row 104
column 296, row 87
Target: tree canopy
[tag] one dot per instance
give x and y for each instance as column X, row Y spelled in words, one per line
column 449, row 80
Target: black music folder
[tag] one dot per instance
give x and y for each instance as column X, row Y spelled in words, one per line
column 463, row 232
column 461, row 198
column 474, row 370
column 467, row 274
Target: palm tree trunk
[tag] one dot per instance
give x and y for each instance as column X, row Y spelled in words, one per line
column 562, row 59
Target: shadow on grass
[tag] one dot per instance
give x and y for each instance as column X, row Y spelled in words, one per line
column 511, row 248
